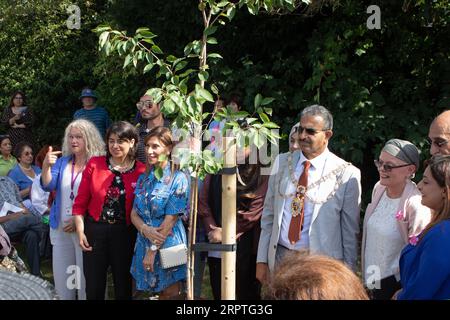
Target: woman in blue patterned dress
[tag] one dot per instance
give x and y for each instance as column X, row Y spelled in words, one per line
column 158, row 206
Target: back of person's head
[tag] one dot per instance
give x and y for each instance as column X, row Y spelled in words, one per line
column 303, row 276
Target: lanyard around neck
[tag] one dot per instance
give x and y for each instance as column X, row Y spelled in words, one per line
column 72, row 179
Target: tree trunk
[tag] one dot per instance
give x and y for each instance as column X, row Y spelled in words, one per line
column 229, row 221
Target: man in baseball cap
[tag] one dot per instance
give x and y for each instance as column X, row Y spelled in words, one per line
column 90, row 111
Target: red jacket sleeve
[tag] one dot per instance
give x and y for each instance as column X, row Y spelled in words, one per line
column 80, row 206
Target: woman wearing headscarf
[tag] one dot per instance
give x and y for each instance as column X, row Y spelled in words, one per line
column 394, row 216
column 293, row 138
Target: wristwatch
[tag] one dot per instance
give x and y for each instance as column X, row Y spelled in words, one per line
column 153, row 247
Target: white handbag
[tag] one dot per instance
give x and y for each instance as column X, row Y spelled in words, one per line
column 173, row 256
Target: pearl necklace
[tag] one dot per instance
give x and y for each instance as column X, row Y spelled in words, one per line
column 120, row 167
column 340, row 169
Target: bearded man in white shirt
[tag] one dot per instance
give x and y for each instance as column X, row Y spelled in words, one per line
column 313, row 199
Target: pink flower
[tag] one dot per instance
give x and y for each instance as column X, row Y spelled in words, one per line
column 399, row 215
column 413, row 240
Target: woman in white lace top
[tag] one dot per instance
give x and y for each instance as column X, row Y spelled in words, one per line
column 394, row 216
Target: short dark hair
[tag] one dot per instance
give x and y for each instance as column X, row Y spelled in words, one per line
column 124, row 130
column 24, row 98
column 18, row 149
column 321, row 111
column 4, row 137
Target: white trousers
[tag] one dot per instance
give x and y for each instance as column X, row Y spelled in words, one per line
column 67, row 265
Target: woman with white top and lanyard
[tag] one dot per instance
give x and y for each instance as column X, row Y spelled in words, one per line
column 394, row 216
column 81, row 142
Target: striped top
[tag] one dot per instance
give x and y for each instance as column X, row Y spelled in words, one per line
column 98, row 116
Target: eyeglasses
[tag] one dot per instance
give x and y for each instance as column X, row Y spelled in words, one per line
column 309, row 131
column 144, row 104
column 388, row 167
column 437, row 142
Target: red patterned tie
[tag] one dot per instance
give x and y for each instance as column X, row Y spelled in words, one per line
column 298, row 206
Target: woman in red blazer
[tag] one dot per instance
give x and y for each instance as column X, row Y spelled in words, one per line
column 102, row 213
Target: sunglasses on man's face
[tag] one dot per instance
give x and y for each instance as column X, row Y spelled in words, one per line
column 144, row 104
column 309, row 131
column 388, row 167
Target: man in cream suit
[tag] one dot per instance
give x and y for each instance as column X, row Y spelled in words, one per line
column 329, row 206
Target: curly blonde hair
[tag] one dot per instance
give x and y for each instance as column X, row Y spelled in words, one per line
column 95, row 146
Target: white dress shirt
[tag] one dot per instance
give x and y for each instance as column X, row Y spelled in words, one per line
column 315, row 172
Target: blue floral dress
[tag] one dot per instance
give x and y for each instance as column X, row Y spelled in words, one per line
column 155, row 199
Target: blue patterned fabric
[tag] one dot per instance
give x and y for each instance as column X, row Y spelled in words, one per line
column 155, row 199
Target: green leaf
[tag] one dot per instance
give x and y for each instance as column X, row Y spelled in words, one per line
column 223, row 3
column 258, row 140
column 127, row 61
column 192, row 105
column 186, row 73
column 258, row 100
column 360, row 52
column 264, row 117
column 215, row 55
column 231, row 12
column 148, row 67
column 148, row 34
column 158, row 173
column 268, row 111
column 156, row 49
column 103, row 38
column 183, row 86
column 171, row 58
column 240, row 114
column 187, row 49
column 210, row 30
column 212, row 40
column 168, row 106
column 102, row 28
column 181, row 65
column 203, row 93
column 203, row 75
column 175, row 80
column 155, row 93
column 251, row 120
column 214, row 89
column 267, row 101
column 271, row 125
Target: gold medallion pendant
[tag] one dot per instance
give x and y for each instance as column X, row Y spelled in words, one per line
column 297, row 206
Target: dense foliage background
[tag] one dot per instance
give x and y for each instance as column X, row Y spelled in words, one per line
column 379, row 84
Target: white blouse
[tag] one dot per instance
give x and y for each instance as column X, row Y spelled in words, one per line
column 384, row 242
